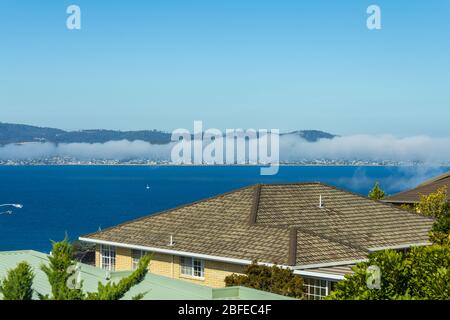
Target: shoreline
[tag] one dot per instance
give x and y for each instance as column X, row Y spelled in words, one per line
column 220, row 165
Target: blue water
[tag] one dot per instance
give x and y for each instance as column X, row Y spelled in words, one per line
column 80, row 199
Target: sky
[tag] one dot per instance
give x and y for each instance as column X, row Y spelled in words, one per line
column 252, row 64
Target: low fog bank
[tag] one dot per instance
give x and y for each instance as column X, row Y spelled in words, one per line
column 368, row 147
column 293, row 148
column 114, row 150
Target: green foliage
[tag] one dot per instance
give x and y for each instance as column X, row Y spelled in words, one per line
column 440, row 232
column 61, row 271
column 436, row 205
column 80, row 248
column 272, row 279
column 116, row 291
column 18, row 282
column 408, row 207
column 421, row 273
column 376, row 193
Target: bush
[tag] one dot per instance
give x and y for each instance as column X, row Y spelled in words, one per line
column 376, row 193
column 421, row 273
column 18, row 282
column 271, row 279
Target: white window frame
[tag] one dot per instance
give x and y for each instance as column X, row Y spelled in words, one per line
column 136, row 255
column 108, row 257
column 188, row 266
column 316, row 288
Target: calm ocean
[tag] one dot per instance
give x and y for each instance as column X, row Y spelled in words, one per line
column 81, row 199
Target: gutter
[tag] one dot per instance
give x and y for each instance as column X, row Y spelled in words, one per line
column 173, row 252
column 400, row 246
column 321, row 275
column 328, row 264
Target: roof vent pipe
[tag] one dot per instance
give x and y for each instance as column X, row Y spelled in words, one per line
column 320, row 202
column 171, row 241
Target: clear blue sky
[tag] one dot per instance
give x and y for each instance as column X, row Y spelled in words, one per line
column 261, row 64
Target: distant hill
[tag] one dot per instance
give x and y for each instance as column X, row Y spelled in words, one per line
column 311, row 135
column 19, row 133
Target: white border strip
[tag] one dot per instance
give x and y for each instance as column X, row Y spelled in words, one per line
column 328, row 264
column 168, row 251
column 321, row 275
column 400, row 246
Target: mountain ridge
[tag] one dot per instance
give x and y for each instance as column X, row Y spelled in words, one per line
column 21, row 133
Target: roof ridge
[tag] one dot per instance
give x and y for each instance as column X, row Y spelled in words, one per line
column 291, row 183
column 254, row 210
column 293, row 243
column 378, row 201
column 186, row 205
column 258, row 185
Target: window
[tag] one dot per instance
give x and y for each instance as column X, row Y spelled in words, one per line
column 136, row 255
column 108, row 258
column 192, row 267
column 315, row 289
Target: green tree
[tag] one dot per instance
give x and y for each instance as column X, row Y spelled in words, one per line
column 18, row 283
column 421, row 273
column 436, row 205
column 116, row 291
column 61, row 270
column 271, row 279
column 376, row 193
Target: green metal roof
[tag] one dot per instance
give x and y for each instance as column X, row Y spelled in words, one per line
column 154, row 286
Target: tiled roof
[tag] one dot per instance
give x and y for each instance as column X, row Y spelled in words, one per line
column 413, row 195
column 279, row 223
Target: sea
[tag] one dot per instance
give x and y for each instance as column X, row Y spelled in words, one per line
column 77, row 200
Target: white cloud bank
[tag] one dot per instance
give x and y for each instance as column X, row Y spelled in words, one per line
column 118, row 150
column 368, row 147
column 362, row 147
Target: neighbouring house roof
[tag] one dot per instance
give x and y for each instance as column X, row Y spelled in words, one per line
column 427, row 187
column 154, row 286
column 275, row 223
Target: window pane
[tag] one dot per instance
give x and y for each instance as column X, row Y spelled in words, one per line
column 108, row 258
column 136, row 255
column 186, row 266
column 198, row 268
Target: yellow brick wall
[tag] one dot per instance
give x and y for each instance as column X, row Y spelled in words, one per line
column 97, row 255
column 169, row 266
column 123, row 259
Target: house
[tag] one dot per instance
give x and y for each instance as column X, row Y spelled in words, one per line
column 413, row 196
column 317, row 230
column 154, row 287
